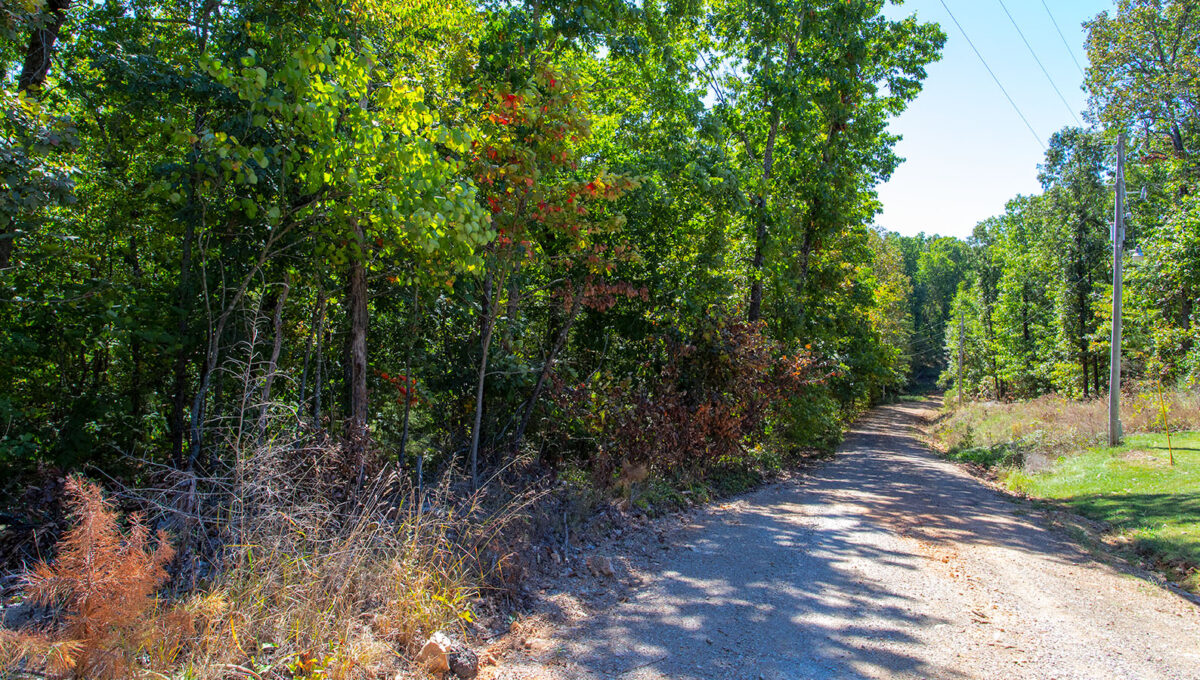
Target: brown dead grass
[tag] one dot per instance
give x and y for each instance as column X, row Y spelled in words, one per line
column 327, row 583
column 1055, row 425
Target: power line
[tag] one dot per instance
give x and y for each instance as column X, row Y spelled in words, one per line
column 993, row 74
column 1039, row 63
column 1064, row 38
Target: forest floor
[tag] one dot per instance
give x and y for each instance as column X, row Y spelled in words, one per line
column 886, row 562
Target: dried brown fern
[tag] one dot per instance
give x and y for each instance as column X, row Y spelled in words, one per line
column 103, row 581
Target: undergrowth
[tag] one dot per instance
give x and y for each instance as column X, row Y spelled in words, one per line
column 308, row 579
column 301, row 556
column 1005, row 434
column 103, row 581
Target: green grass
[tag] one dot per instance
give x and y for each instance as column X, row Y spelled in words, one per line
column 1134, row 489
column 994, row 456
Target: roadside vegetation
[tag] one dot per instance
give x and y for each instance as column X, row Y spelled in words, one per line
column 1027, row 340
column 1031, row 433
column 1145, row 494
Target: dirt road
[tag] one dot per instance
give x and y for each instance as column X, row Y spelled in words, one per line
column 887, row 562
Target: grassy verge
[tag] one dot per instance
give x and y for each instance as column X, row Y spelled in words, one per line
column 1053, row 449
column 1152, row 507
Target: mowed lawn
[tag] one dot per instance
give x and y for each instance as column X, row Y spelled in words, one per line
column 1135, row 489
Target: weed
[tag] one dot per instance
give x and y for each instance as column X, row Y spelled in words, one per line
column 312, row 581
column 1053, row 426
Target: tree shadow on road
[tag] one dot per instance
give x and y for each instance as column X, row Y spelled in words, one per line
column 802, row 580
column 787, row 603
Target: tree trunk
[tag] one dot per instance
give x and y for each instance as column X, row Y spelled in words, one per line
column 1177, row 140
column 512, row 308
column 38, row 56
column 1186, row 312
column 314, row 336
column 754, row 313
column 1084, row 365
column 814, row 218
column 1083, row 344
column 760, row 241
column 319, row 378
column 179, row 371
column 411, row 386
column 272, row 365
column 356, row 358
column 547, row 366
column 135, row 352
column 487, row 324
column 990, row 338
column 40, row 51
column 356, row 346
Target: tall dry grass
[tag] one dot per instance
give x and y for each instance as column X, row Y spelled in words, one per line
column 347, row 584
column 293, row 570
column 1053, row 425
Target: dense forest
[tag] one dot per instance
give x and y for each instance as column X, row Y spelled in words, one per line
column 448, row 233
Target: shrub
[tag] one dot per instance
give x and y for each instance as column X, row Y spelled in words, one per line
column 1003, row 432
column 321, row 579
column 102, row 581
column 306, row 575
column 713, row 394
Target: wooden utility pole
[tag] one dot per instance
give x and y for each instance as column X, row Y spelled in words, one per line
column 961, row 350
column 1118, row 238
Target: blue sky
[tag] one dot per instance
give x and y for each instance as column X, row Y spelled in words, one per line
column 967, row 151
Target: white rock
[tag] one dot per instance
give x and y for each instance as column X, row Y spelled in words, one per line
column 442, row 654
column 435, row 655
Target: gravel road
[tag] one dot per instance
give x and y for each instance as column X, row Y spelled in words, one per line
column 886, row 562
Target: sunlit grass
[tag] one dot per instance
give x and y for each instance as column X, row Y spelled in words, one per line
column 1134, row 488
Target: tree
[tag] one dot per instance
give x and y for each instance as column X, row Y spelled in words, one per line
column 807, row 91
column 414, row 226
column 941, row 265
column 890, row 314
column 1144, row 71
column 1075, row 200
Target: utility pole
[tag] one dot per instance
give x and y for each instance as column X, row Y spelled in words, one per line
column 961, row 349
column 1118, row 234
